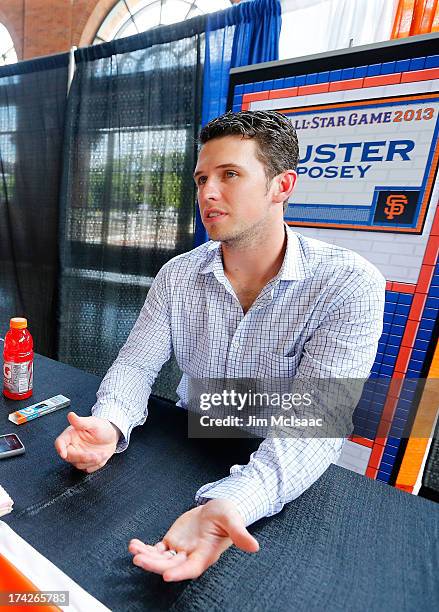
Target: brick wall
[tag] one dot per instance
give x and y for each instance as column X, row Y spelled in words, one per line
column 11, row 15
column 44, row 27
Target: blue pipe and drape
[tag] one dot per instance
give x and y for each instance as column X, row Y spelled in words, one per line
column 246, row 34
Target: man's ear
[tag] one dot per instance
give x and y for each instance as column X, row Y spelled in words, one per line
column 284, row 185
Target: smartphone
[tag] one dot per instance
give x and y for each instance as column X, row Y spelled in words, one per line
column 10, row 445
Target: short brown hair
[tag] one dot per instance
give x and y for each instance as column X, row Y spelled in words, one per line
column 276, row 138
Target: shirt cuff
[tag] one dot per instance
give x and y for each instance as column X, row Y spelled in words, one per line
column 251, row 501
column 115, row 414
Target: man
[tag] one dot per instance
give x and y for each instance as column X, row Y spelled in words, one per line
column 257, row 301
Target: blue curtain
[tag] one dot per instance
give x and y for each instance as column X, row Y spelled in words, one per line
column 247, row 33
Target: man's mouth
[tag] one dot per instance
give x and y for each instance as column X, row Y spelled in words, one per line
column 214, row 216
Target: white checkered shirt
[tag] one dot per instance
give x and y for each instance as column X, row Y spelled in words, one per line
column 321, row 316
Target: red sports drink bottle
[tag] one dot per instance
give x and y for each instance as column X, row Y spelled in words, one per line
column 18, row 361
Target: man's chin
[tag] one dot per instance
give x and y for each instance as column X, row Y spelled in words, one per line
column 221, row 235
column 228, row 237
column 232, row 240
column 216, row 234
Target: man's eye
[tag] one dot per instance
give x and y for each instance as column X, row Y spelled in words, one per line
column 231, row 173
column 201, row 180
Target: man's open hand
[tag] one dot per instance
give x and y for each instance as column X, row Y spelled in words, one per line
column 199, row 537
column 88, row 443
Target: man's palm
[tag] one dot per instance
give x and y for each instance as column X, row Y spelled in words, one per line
column 199, row 537
column 87, row 443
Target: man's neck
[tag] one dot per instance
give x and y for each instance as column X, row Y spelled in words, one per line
column 257, row 262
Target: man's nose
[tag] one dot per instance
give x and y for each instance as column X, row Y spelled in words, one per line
column 210, row 190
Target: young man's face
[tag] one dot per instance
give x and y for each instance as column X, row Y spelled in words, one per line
column 232, row 189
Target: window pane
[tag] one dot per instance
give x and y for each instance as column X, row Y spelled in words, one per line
column 211, row 6
column 174, row 11
column 151, row 13
column 7, row 51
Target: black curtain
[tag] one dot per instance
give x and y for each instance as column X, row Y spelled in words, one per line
column 128, row 198
column 32, row 111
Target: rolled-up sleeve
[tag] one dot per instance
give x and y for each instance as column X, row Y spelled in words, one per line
column 123, row 395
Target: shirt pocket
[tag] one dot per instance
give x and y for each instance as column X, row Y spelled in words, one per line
column 274, row 366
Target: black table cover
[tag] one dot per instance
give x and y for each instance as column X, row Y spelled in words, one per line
column 348, row 543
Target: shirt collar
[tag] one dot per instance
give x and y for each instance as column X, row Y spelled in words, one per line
column 294, row 265
column 213, row 257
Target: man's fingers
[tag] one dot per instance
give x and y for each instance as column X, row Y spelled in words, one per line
column 159, row 551
column 93, row 463
column 77, row 456
column 156, row 558
column 85, row 423
column 61, row 446
column 137, row 546
column 192, row 568
column 158, row 563
column 239, row 534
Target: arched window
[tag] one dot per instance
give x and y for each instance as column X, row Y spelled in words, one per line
column 7, row 49
column 130, row 17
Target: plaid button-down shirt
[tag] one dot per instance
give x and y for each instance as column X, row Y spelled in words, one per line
column 320, row 317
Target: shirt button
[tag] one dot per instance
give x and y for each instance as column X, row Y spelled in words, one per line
column 235, row 344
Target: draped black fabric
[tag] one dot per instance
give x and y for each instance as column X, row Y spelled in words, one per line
column 32, row 110
column 116, row 161
column 128, row 198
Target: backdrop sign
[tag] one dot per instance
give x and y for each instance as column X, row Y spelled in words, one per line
column 366, row 165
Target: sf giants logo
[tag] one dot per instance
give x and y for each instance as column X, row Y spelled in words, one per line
column 395, row 206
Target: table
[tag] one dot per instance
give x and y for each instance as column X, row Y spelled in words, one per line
column 348, row 543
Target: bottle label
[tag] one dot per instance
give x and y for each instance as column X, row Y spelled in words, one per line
column 18, row 377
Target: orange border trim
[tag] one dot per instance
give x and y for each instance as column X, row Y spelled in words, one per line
column 403, row 358
column 376, row 81
column 361, row 441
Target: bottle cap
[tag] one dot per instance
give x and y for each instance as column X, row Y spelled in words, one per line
column 18, row 323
